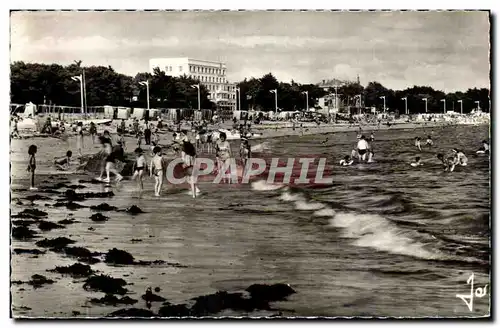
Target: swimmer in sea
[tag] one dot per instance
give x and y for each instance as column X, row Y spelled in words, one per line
column 156, row 169
column 485, row 149
column 417, row 143
column 139, row 167
column 429, row 141
column 362, row 148
column 370, row 156
column 449, row 164
column 460, row 157
column 64, row 162
column 441, row 159
column 346, row 161
column 417, row 162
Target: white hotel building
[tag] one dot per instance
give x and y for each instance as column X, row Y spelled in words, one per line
column 211, row 74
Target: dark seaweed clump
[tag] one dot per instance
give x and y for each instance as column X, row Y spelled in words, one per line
column 23, row 233
column 47, row 226
column 57, row 243
column 110, row 299
column 28, row 251
column 106, row 284
column 103, row 207
column 76, row 270
column 98, row 217
column 38, row 281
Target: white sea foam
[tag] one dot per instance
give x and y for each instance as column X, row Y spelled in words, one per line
column 376, row 232
column 262, row 185
column 324, row 212
column 308, row 206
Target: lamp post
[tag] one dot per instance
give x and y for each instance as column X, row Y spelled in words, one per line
column 307, row 99
column 275, row 91
column 425, row 99
column 383, row 97
column 444, row 105
column 79, row 78
column 406, row 104
column 477, row 102
column 461, row 106
column 197, row 86
column 336, row 101
column 238, row 94
column 146, row 83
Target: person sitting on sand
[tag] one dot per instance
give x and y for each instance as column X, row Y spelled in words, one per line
column 362, row 148
column 417, row 143
column 346, row 161
column 460, row 157
column 156, row 169
column 32, row 165
column 429, row 141
column 139, row 167
column 64, row 162
column 417, row 162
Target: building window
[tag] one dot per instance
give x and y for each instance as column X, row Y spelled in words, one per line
column 180, row 68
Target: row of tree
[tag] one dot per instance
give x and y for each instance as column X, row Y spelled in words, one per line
column 53, row 84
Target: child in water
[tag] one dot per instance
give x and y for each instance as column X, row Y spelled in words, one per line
column 346, row 161
column 449, row 164
column 32, row 165
column 485, row 149
column 370, row 156
column 417, row 143
column 429, row 141
column 460, row 157
column 156, row 169
column 417, row 162
column 139, row 166
column 64, row 163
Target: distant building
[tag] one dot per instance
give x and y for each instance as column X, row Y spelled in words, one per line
column 211, row 74
column 331, row 84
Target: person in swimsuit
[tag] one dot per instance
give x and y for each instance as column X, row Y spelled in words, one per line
column 346, row 161
column 188, row 156
column 64, row 163
column 245, row 152
column 79, row 138
column 93, row 131
column 139, row 166
column 417, row 162
column 32, row 165
column 139, row 138
column 156, row 169
column 417, row 143
column 362, row 148
column 121, row 139
column 485, row 149
column 460, row 157
column 223, row 153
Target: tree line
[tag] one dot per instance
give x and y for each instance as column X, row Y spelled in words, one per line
column 53, row 84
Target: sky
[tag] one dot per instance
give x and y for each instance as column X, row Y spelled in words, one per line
column 446, row 50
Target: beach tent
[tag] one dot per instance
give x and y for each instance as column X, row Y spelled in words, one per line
column 29, row 109
column 139, row 113
column 123, row 113
column 109, row 111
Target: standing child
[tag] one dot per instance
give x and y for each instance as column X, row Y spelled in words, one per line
column 32, row 165
column 245, row 152
column 139, row 166
column 417, row 143
column 139, row 138
column 79, row 138
column 93, row 131
column 156, row 169
column 121, row 139
column 188, row 156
